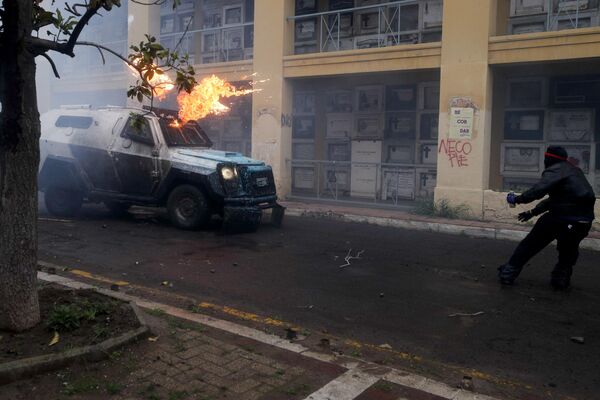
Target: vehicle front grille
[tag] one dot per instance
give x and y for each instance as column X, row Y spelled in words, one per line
column 260, row 183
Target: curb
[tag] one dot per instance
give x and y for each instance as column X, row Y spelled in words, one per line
column 389, row 374
column 19, row 369
column 436, row 227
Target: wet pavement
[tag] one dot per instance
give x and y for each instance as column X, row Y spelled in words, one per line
column 408, row 290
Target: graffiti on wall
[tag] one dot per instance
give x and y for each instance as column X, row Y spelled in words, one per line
column 457, row 152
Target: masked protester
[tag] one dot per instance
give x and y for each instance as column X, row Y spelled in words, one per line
column 568, row 215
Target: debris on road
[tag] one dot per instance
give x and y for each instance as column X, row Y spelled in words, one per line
column 467, row 383
column 291, row 334
column 153, row 339
column 578, row 339
column 478, row 313
column 55, row 339
column 166, row 283
column 114, row 288
column 212, row 271
column 385, row 346
column 349, row 257
column 382, row 295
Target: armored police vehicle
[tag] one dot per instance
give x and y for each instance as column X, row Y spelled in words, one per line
column 102, row 156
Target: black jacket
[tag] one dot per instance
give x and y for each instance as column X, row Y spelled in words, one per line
column 570, row 194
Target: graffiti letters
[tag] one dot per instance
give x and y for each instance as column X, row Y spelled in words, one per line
column 457, row 151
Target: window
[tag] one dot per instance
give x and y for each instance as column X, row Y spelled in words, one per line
column 190, row 135
column 70, row 121
column 141, row 134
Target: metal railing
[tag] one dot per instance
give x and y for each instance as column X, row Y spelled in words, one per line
column 386, row 183
column 565, row 9
column 212, row 45
column 570, row 14
column 397, row 22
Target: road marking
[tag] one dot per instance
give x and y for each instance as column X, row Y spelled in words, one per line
column 347, row 386
column 246, row 316
column 54, row 220
column 83, row 274
column 98, row 278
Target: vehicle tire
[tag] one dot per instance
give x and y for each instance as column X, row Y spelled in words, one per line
column 117, row 209
column 188, row 207
column 62, row 202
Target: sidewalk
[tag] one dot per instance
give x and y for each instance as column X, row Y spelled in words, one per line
column 406, row 220
column 194, row 356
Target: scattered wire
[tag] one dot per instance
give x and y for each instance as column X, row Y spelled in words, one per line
column 349, row 257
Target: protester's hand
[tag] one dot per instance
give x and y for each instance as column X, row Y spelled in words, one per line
column 525, row 216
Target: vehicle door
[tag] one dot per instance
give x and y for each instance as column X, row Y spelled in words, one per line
column 87, row 143
column 136, row 154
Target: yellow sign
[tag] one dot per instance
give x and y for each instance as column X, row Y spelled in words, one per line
column 461, row 123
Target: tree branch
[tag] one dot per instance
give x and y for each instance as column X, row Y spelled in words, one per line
column 90, row 12
column 108, row 50
column 51, row 61
column 149, row 3
column 39, row 46
column 187, row 27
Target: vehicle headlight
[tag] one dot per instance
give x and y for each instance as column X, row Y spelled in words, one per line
column 228, row 173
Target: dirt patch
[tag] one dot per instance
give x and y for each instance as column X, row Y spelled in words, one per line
column 80, row 317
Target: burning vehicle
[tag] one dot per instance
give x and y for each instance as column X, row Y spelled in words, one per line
column 123, row 157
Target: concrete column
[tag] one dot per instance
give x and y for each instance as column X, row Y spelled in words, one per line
column 141, row 20
column 272, row 106
column 466, row 82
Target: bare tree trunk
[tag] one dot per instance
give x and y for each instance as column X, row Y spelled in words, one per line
column 19, row 159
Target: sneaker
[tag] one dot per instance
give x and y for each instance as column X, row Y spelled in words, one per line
column 507, row 274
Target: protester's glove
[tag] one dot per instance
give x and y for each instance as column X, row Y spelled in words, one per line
column 511, row 198
column 525, row 216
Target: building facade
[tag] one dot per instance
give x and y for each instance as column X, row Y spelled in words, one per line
column 388, row 102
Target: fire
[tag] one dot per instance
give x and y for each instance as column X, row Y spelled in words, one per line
column 205, row 98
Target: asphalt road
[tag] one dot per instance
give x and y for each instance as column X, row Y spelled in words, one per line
column 400, row 292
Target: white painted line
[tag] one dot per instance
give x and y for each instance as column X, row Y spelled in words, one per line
column 358, row 375
column 347, row 386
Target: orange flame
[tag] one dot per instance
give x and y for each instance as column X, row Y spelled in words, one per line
column 205, row 98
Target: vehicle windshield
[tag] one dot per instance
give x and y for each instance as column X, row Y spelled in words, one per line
column 188, row 135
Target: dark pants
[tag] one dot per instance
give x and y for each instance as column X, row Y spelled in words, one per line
column 568, row 236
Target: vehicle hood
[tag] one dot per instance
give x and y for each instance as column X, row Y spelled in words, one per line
column 207, row 157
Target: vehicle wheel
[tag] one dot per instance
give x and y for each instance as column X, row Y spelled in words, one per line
column 63, row 202
column 188, row 207
column 117, row 209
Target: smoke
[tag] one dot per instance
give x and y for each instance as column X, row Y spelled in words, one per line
column 85, row 79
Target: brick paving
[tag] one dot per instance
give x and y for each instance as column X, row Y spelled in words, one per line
column 193, row 365
column 183, row 361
